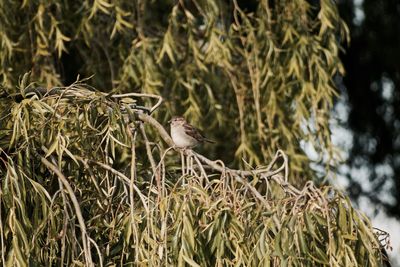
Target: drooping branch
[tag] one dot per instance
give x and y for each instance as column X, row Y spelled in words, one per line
column 78, row 212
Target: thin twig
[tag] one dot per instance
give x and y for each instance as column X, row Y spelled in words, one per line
column 159, row 98
column 132, row 181
column 65, row 219
column 3, row 249
column 203, row 172
column 150, row 156
column 81, row 221
column 97, row 249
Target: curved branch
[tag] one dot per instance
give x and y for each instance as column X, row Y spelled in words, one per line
column 163, row 133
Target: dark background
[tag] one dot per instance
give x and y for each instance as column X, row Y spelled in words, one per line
column 372, row 84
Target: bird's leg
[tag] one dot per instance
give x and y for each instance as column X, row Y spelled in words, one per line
column 187, row 164
column 192, row 172
column 183, row 162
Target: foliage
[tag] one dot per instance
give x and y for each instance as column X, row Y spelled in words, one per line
column 260, row 72
column 82, row 183
column 85, row 178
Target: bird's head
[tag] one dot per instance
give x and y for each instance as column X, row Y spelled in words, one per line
column 177, row 120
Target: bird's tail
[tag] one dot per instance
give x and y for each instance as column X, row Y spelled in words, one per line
column 208, row 140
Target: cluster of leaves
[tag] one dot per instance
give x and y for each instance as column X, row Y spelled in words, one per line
column 82, row 184
column 259, row 72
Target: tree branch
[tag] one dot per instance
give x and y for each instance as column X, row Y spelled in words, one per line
column 213, row 164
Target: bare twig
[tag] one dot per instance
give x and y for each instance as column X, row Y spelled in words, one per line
column 98, row 250
column 132, row 181
column 65, row 219
column 151, row 158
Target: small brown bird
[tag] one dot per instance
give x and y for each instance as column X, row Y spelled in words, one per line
column 185, row 135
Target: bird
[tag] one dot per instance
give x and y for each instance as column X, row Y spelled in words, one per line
column 185, row 135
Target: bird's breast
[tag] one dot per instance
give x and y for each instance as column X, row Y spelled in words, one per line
column 181, row 139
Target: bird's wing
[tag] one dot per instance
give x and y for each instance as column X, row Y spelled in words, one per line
column 193, row 132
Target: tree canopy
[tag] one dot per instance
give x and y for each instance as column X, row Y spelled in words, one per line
column 89, row 174
column 214, row 62
column 82, row 183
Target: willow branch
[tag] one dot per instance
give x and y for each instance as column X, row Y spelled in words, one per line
column 150, row 156
column 213, row 164
column 266, row 173
column 77, row 207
